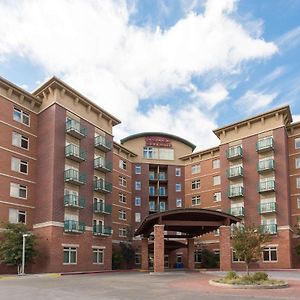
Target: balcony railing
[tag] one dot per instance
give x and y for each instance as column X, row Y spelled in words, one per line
column 234, row 153
column 235, row 172
column 71, row 200
column 266, row 186
column 74, row 226
column 160, row 177
column 102, row 164
column 102, row 186
column 75, row 129
column 269, row 228
column 102, row 230
column 102, row 143
column 75, row 153
column 103, row 208
column 237, row 211
column 236, row 191
column 265, row 165
column 73, row 176
column 265, row 144
column 269, row 207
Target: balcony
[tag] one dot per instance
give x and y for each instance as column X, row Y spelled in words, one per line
column 102, row 230
column 265, row 165
column 71, row 200
column 102, row 186
column 152, row 209
column 269, row 228
column 74, row 226
column 236, row 191
column 237, row 211
column 234, row 153
column 265, row 208
column 75, row 153
column 266, row 186
column 101, row 164
column 235, row 172
column 73, row 176
column 75, row 129
column 160, row 177
column 102, row 143
column 99, row 207
column 264, row 145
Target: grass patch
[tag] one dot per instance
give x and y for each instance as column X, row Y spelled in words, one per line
column 258, row 278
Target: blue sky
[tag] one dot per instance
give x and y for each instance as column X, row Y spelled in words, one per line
column 183, row 67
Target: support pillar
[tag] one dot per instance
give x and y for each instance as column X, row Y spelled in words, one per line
column 225, row 249
column 144, row 254
column 190, row 254
column 159, row 248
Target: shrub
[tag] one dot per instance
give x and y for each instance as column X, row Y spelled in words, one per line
column 260, row 276
column 209, row 259
column 231, row 275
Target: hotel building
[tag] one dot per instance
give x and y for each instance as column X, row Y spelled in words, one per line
column 80, row 192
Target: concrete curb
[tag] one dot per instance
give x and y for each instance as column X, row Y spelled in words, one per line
column 256, row 287
column 29, row 276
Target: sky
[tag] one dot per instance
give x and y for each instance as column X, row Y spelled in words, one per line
column 183, row 67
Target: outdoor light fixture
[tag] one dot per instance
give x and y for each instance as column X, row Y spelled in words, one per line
column 23, row 253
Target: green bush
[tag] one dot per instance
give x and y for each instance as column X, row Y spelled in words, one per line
column 209, row 259
column 231, row 275
column 260, row 276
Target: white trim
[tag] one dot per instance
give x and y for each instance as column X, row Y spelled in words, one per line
column 123, row 190
column 14, row 177
column 18, row 153
column 210, row 242
column 16, row 204
column 285, row 227
column 49, row 223
column 121, row 206
column 123, row 224
column 199, row 190
column 204, row 175
column 17, row 128
column 70, row 245
column 98, row 247
column 14, row 101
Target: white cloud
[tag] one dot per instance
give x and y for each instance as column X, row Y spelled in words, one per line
column 93, row 46
column 296, row 118
column 253, row 101
column 289, row 40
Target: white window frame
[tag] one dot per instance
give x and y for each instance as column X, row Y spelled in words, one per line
column 195, row 169
column 178, row 187
column 217, row 180
column 122, row 198
column 17, row 140
column 297, row 143
column 216, row 198
column 178, row 202
column 122, row 215
column 269, row 249
column 178, row 172
column 137, row 201
column 298, row 202
column 69, row 250
column 122, row 181
column 297, row 162
column 14, row 216
column 122, row 164
column 137, row 217
column 17, row 162
column 138, row 185
column 22, row 114
column 196, row 199
column 298, row 182
column 98, row 251
column 195, row 184
column 138, row 169
column 216, row 164
column 16, row 187
column 123, row 232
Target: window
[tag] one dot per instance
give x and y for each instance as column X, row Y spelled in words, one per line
column 216, row 180
column 198, row 256
column 137, row 217
column 196, row 184
column 137, row 201
column 70, row 255
column 137, row 258
column 18, row 190
column 297, row 162
column 297, row 143
column 122, row 198
column 196, row 200
column 217, row 196
column 152, row 190
column 20, row 141
column 298, row 182
column 162, row 206
column 98, row 256
column 216, row 164
column 122, row 164
column 196, row 169
column 162, row 191
column 298, row 202
column 235, row 258
column 17, row 216
column 21, row 116
column 122, row 232
column 122, row 214
column 158, row 153
column 19, row 165
column 270, row 254
column 138, row 185
column 122, row 181
column 138, row 169
column 178, row 187
column 216, row 232
column 178, row 202
column 178, row 172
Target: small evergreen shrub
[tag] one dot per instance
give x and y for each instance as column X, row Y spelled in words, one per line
column 231, row 275
column 260, row 276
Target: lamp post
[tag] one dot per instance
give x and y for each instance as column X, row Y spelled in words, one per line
column 23, row 253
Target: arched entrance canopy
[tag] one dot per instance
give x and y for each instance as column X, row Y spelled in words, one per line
column 189, row 221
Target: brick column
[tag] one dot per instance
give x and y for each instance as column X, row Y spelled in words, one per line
column 225, row 248
column 190, row 254
column 144, row 262
column 159, row 248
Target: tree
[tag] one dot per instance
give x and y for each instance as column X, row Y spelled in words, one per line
column 123, row 256
column 248, row 243
column 11, row 245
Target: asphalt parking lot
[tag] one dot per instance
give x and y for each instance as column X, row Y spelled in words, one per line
column 136, row 285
